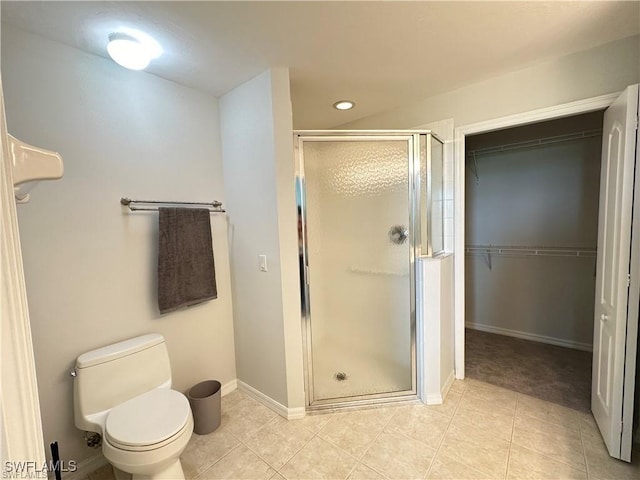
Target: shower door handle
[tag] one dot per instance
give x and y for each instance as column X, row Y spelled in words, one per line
column 398, row 234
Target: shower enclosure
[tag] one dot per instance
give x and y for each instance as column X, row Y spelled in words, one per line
column 369, row 204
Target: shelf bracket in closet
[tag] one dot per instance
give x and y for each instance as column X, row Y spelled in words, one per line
column 474, row 167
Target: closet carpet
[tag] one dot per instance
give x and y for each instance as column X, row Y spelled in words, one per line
column 555, row 374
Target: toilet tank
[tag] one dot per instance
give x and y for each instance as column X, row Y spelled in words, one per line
column 110, row 375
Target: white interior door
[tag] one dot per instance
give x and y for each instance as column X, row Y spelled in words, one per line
column 616, row 325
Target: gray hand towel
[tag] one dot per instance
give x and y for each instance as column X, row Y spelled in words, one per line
column 186, row 272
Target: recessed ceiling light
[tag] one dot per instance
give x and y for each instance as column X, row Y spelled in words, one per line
column 132, row 51
column 344, row 105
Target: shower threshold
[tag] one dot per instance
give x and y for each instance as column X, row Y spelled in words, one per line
column 341, row 404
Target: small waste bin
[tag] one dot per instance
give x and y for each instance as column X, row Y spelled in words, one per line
column 205, row 405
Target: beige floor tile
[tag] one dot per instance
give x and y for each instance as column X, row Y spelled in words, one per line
column 556, row 441
column 241, row 463
column 362, row 472
column 277, row 476
column 547, row 411
column 278, row 441
column 205, row 450
column 588, row 425
column 458, row 386
column 232, row 399
column 485, row 414
column 314, row 422
column 476, row 447
column 527, row 464
column 500, row 397
column 448, row 469
column 105, row 472
column 397, row 456
column 419, row 423
column 246, row 416
column 318, row 459
column 448, row 407
column 601, row 466
column 355, row 431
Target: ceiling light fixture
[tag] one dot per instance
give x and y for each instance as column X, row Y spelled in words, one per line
column 344, row 105
column 132, row 51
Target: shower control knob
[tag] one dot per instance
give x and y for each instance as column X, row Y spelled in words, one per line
column 398, row 234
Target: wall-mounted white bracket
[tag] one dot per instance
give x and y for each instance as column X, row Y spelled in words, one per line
column 31, row 165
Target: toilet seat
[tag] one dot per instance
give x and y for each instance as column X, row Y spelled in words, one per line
column 148, row 421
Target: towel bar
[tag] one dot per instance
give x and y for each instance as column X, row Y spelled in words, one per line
column 214, row 206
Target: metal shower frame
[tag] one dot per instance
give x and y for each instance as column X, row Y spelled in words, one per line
column 416, row 141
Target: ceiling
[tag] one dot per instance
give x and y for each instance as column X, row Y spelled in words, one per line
column 379, row 54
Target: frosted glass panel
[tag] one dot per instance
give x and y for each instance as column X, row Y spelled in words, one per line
column 431, row 203
column 437, row 198
column 357, row 224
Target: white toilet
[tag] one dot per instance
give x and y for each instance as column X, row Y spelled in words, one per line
column 123, row 392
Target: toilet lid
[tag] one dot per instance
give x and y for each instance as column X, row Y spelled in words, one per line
column 147, row 419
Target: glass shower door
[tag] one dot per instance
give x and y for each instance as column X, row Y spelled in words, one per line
column 358, row 249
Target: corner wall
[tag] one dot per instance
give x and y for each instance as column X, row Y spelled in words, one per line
column 89, row 263
column 435, row 281
column 257, row 146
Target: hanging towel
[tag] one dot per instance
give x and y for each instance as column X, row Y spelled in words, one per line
column 186, row 272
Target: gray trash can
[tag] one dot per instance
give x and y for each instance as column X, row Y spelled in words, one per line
column 205, row 405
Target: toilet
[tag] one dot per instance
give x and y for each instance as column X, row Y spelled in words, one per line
column 123, row 392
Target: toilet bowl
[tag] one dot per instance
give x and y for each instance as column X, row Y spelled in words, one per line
column 122, row 392
column 146, row 435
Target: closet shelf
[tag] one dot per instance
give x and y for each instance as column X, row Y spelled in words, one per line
column 529, row 251
column 533, row 143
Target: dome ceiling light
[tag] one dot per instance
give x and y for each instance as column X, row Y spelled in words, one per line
column 132, row 50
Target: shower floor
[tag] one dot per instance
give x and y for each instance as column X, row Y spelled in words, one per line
column 366, row 373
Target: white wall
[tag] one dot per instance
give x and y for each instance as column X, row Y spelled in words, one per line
column 435, row 279
column 258, row 166
column 90, row 264
column 543, row 196
column 605, row 69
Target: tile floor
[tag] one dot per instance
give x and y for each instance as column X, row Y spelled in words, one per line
column 480, row 432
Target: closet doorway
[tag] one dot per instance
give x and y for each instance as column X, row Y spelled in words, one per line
column 531, row 230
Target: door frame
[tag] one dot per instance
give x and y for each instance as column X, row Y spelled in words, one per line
column 549, row 113
column 21, row 435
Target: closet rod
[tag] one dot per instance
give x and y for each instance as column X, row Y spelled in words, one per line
column 214, row 206
column 534, row 143
column 530, row 251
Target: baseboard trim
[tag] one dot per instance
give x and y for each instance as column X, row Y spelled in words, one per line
column 288, row 413
column 296, row 413
column 434, row 399
column 229, row 387
column 447, row 385
column 85, row 467
column 586, row 347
